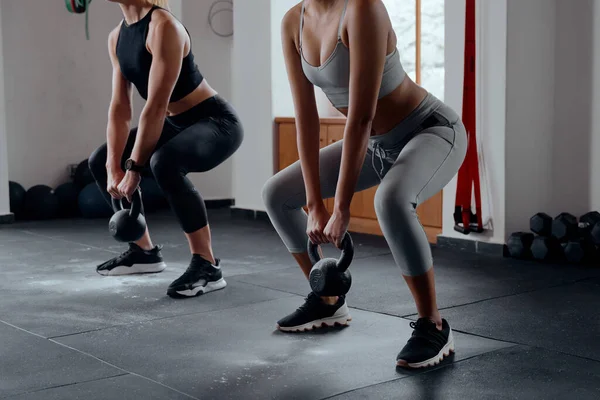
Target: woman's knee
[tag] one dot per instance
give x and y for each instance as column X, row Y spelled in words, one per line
column 393, row 199
column 396, row 210
column 272, row 193
column 282, row 192
column 97, row 161
column 164, row 166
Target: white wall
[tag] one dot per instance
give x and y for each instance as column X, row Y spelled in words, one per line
column 283, row 105
column 594, row 148
column 529, row 109
column 573, row 108
column 491, row 121
column 214, row 57
column 57, row 86
column 252, row 85
column 4, row 198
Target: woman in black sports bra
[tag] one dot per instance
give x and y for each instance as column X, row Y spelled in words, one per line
column 185, row 127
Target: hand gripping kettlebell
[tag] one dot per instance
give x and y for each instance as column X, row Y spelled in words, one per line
column 128, row 225
column 328, row 276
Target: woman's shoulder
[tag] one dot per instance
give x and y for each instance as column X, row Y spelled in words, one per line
column 161, row 16
column 290, row 22
column 292, row 16
column 113, row 36
column 163, row 22
column 358, row 7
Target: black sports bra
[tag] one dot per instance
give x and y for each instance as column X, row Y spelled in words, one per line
column 135, row 60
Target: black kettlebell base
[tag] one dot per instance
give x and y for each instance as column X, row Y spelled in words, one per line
column 329, row 282
column 127, row 235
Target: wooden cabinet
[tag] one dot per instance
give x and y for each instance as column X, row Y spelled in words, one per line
column 362, row 208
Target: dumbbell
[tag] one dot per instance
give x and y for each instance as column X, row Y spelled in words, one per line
column 574, row 251
column 519, row 244
column 565, row 227
column 541, row 224
column 546, row 248
column 589, row 227
column 582, row 248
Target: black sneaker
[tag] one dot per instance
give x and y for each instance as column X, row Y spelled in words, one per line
column 427, row 346
column 314, row 314
column 134, row 261
column 200, row 277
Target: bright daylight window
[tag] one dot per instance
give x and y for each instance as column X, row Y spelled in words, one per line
column 419, row 26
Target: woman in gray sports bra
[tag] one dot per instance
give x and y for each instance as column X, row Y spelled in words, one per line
column 397, row 136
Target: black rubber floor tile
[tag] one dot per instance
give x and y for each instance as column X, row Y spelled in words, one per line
column 517, row 373
column 236, row 354
column 564, row 319
column 377, row 283
column 126, row 387
column 28, row 363
column 66, row 302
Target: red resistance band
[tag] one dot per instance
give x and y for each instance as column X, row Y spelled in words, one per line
column 468, row 175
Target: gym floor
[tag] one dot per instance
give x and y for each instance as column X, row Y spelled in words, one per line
column 523, row 330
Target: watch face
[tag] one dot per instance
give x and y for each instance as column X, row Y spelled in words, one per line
column 128, row 164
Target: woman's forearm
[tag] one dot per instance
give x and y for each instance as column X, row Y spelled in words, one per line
column 356, row 138
column 308, row 149
column 116, row 138
column 149, row 131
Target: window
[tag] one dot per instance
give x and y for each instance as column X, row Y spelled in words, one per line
column 419, row 26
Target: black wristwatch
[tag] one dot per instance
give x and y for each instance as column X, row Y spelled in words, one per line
column 130, row 165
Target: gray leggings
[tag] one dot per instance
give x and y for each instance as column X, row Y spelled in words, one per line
column 411, row 163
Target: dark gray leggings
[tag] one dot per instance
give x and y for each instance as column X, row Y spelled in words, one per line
column 195, row 141
column 411, row 163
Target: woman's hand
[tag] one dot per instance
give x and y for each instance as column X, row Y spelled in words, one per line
column 337, row 226
column 115, row 176
column 129, row 184
column 317, row 220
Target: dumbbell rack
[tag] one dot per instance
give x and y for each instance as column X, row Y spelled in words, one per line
column 562, row 239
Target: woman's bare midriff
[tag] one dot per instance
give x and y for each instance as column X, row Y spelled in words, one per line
column 202, row 92
column 395, row 107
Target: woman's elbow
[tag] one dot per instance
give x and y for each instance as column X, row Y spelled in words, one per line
column 120, row 113
column 154, row 111
column 361, row 122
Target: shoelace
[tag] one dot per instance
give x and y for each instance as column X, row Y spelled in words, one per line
column 310, row 301
column 195, row 271
column 127, row 253
column 424, row 330
column 380, row 153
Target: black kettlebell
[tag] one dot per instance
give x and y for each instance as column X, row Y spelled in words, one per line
column 128, row 225
column 328, row 276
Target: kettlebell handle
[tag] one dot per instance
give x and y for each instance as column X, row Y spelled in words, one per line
column 136, row 204
column 345, row 258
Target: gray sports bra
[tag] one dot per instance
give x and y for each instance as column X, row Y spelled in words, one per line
column 333, row 76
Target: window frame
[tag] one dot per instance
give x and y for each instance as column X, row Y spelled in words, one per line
column 418, row 5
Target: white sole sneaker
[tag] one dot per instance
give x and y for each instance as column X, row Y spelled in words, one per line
column 200, row 290
column 135, row 269
column 433, row 361
column 340, row 318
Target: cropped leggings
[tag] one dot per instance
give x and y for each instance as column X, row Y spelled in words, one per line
column 411, row 163
column 197, row 140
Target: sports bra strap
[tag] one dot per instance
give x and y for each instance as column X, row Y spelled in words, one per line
column 341, row 21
